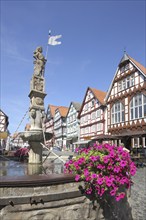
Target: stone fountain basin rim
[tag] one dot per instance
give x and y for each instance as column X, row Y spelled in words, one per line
column 35, row 135
column 36, row 180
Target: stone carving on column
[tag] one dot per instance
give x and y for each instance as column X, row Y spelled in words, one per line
column 35, row 119
column 38, row 84
column 39, row 63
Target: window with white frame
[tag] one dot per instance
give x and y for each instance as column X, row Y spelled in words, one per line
column 86, row 130
column 83, row 130
column 138, row 106
column 98, row 113
column 126, row 83
column 93, row 128
column 99, row 127
column 93, row 115
column 86, row 118
column 86, row 107
column 117, row 113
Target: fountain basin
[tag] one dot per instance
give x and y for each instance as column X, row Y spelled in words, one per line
column 11, row 168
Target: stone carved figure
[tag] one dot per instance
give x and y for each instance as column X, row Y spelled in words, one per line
column 39, row 63
column 38, row 84
column 35, row 119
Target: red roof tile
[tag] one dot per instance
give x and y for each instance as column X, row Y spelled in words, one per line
column 52, row 109
column 140, row 66
column 100, row 95
column 63, row 111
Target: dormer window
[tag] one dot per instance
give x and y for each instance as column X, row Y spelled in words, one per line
column 124, row 68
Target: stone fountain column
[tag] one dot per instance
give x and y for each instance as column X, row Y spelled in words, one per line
column 37, row 109
column 35, row 136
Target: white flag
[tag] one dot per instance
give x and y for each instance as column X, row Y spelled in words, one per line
column 53, row 40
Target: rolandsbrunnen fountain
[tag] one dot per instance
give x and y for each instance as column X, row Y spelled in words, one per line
column 36, row 136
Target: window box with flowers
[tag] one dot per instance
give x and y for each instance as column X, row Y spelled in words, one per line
column 105, row 170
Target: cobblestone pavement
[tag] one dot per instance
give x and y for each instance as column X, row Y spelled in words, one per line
column 138, row 195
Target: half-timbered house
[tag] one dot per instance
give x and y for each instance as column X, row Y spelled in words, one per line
column 3, row 129
column 126, row 104
column 73, row 124
column 49, row 123
column 60, row 126
column 92, row 114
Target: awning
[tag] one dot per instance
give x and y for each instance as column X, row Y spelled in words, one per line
column 104, row 137
column 131, row 134
column 69, row 139
column 82, row 142
column 3, row 135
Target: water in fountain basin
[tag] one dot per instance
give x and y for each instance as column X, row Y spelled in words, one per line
column 16, row 168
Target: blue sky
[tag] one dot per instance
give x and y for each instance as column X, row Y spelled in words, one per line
column 94, row 35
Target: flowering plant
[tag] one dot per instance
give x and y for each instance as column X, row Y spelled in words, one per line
column 104, row 169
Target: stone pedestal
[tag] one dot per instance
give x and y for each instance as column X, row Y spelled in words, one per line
column 34, row 169
column 35, row 153
column 34, row 138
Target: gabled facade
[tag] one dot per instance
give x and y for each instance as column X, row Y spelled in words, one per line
column 92, row 114
column 73, row 124
column 50, row 118
column 60, row 126
column 3, row 129
column 126, row 103
column 49, row 123
column 3, row 121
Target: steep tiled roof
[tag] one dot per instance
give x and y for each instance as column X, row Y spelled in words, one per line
column 100, row 95
column 140, row 66
column 135, row 63
column 63, row 111
column 77, row 105
column 52, row 109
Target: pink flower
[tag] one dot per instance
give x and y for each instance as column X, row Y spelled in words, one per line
column 120, row 196
column 100, row 181
column 132, row 171
column 99, row 147
column 120, row 149
column 125, row 154
column 81, row 160
column 89, row 191
column 112, row 192
column 123, row 163
column 77, row 177
column 94, row 175
column 103, row 167
column 112, row 154
column 93, row 158
column 100, row 166
column 101, row 191
column 116, row 169
column 108, row 181
column 86, row 172
column 88, row 178
column 109, row 167
column 105, row 159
